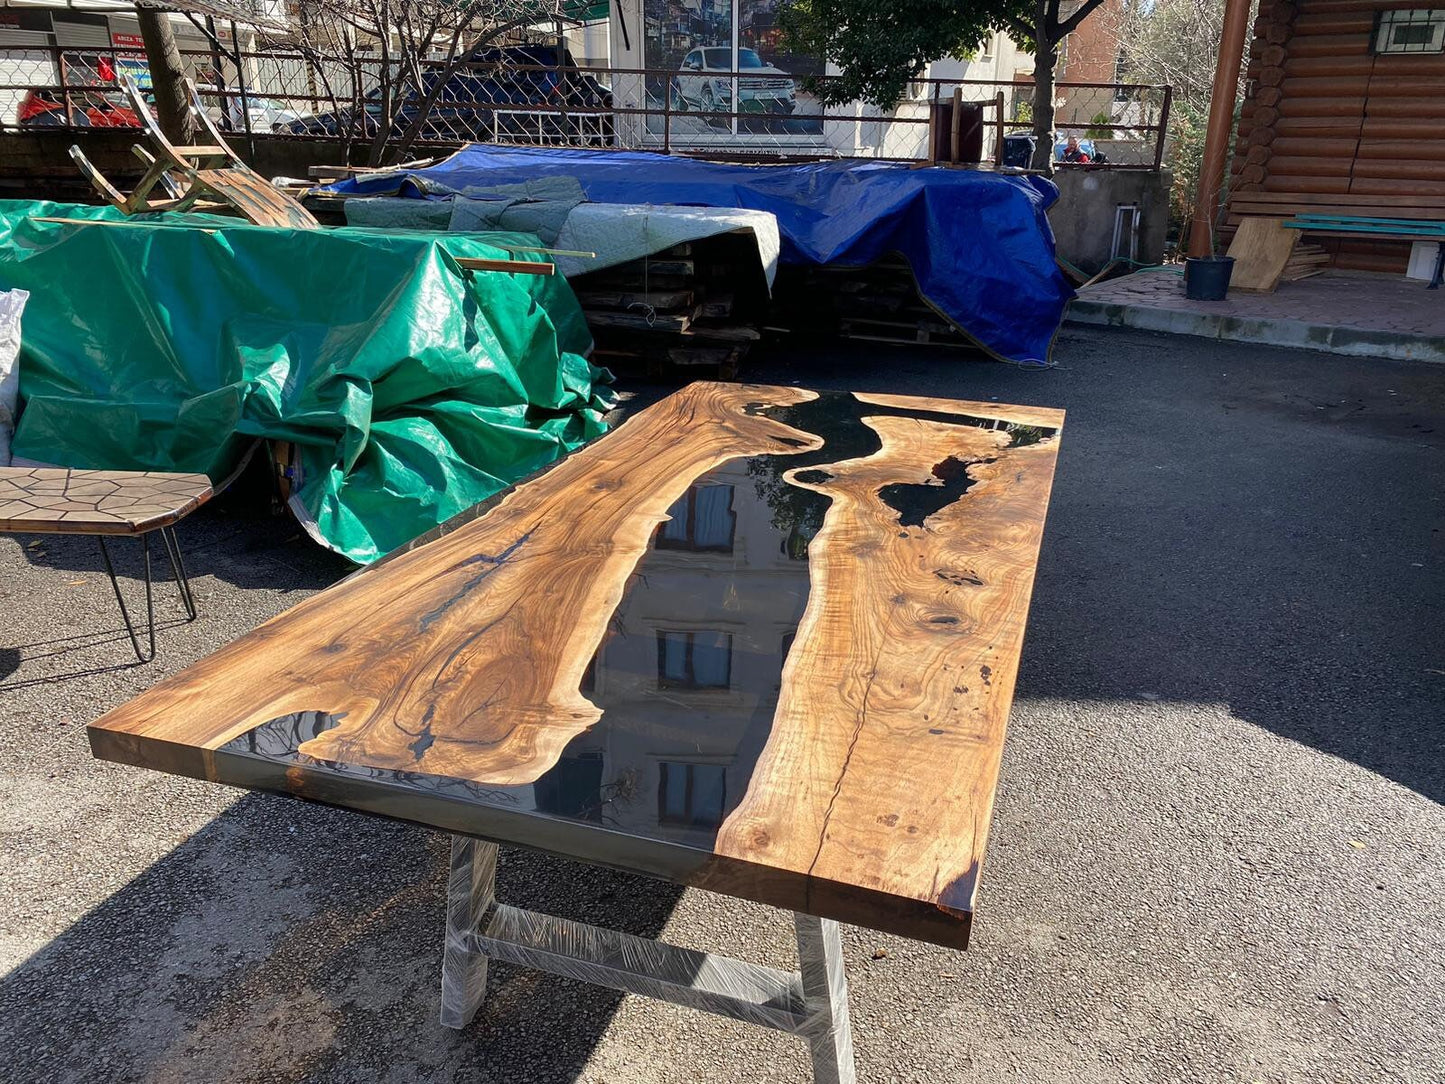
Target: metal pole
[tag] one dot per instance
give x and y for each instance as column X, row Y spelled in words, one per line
column 998, row 134
column 1221, row 120
column 65, row 98
column 955, row 125
column 241, row 86
column 1163, row 128
column 218, row 74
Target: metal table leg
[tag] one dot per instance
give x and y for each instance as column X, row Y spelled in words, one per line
column 812, row 1004
column 471, row 889
column 183, row 585
column 820, row 959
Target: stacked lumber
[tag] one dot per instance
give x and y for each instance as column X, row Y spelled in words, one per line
column 679, row 314
column 877, row 303
column 1305, row 261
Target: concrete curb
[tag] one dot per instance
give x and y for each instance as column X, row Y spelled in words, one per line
column 1333, row 339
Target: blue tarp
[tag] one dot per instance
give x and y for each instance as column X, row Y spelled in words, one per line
column 979, row 243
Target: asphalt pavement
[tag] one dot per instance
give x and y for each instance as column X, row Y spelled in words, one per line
column 1218, row 852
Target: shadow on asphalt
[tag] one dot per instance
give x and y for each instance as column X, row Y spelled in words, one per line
column 1249, row 526
column 290, row 941
column 1211, row 540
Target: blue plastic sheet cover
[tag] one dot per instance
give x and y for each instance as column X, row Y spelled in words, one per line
column 979, row 243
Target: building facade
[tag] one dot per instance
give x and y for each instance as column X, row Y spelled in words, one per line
column 1344, row 113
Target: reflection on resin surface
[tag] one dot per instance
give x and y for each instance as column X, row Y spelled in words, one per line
column 689, row 671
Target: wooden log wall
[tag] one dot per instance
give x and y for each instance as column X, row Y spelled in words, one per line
column 1328, row 120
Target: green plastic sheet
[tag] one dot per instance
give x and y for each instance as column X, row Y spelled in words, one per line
column 411, row 388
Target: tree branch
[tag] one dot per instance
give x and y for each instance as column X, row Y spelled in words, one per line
column 1069, row 25
column 1020, row 26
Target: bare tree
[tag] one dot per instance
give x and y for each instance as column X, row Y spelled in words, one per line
column 1175, row 42
column 383, row 64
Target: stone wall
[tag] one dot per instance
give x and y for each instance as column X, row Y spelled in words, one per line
column 1083, row 217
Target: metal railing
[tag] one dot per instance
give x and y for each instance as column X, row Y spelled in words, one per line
column 721, row 114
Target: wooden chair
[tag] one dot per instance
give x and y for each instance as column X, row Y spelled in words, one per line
column 210, row 174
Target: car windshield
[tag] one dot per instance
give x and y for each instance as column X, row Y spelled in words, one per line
column 721, row 59
column 748, row 58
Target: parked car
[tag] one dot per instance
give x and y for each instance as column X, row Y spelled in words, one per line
column 705, row 82
column 45, row 108
column 480, row 103
column 266, row 114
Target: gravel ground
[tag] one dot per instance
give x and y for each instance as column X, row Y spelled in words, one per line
column 1217, row 853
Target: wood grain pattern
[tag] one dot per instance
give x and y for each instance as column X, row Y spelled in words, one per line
column 881, row 767
column 1261, row 247
column 465, row 658
column 1013, row 413
column 56, row 500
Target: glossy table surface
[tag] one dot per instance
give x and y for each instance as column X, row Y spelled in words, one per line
column 757, row 639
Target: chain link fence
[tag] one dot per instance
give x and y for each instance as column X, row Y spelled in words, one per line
column 515, row 100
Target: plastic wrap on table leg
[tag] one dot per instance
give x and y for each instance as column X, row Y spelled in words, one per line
column 700, row 980
column 471, row 889
column 812, row 1003
column 825, row 986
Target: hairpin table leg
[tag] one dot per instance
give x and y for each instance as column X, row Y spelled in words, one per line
column 183, row 585
column 178, row 569
column 150, row 603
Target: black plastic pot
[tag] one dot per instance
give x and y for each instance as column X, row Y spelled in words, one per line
column 1206, row 278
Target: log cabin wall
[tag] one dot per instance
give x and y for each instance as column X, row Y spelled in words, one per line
column 1329, row 120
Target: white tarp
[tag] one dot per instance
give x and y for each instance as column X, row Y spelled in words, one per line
column 616, row 232
column 622, row 232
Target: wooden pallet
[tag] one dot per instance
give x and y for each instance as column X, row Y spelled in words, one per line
column 676, row 314
column 877, row 303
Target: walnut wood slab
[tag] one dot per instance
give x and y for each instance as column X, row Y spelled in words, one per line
column 756, row 639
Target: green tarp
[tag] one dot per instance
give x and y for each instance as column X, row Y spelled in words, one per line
column 412, row 389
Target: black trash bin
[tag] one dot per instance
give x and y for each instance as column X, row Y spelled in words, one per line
column 1206, row 278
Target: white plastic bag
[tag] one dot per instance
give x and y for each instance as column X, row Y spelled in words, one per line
column 12, row 303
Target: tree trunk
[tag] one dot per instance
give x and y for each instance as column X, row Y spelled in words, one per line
column 1046, row 58
column 167, row 75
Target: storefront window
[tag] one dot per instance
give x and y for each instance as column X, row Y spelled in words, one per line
column 721, row 72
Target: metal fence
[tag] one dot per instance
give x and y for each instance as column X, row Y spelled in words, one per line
column 718, row 113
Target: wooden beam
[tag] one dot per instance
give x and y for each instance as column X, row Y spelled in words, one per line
column 512, row 267
column 1221, row 118
column 123, row 223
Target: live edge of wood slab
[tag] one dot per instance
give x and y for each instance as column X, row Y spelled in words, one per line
column 755, row 640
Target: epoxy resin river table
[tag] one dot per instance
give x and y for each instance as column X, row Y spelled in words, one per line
column 758, row 640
